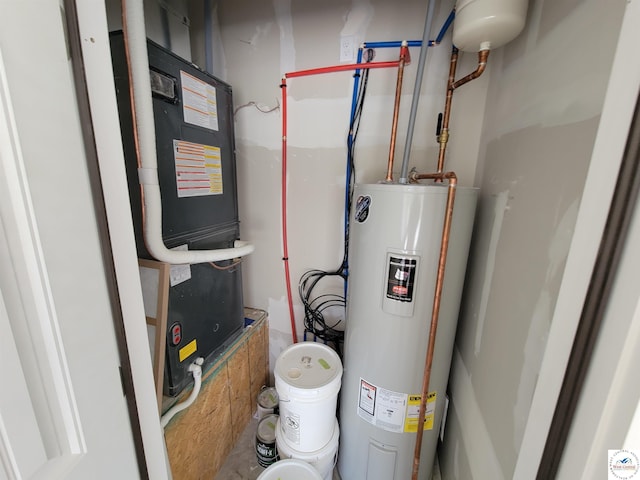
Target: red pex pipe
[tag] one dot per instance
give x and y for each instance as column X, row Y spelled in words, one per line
column 285, row 243
column 342, row 68
column 283, row 86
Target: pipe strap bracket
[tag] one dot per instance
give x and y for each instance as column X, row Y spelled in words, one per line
column 148, row 176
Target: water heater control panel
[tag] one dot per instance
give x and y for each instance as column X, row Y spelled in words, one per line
column 399, row 288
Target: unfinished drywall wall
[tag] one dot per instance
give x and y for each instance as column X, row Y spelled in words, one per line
column 167, row 23
column 545, row 99
column 264, row 40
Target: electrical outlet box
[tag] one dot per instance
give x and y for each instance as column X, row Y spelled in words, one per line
column 347, row 48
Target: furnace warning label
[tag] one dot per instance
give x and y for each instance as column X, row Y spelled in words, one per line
column 199, row 102
column 188, row 350
column 402, row 274
column 413, row 412
column 198, row 169
column 381, row 407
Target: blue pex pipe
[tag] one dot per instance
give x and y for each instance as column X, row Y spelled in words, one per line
column 410, row 43
column 446, row 26
column 354, row 100
column 356, row 84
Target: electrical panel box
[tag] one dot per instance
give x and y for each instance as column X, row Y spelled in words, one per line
column 193, row 117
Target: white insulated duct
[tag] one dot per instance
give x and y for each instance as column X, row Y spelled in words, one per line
column 136, row 45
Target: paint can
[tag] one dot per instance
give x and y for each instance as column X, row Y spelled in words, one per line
column 308, row 378
column 290, row 469
column 266, row 452
column 267, row 402
column 323, row 460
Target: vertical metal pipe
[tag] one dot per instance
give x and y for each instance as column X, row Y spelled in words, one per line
column 435, row 313
column 404, row 56
column 416, row 91
column 208, row 37
column 443, row 139
column 444, row 133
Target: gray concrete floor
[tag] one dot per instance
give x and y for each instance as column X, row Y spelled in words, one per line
column 242, row 463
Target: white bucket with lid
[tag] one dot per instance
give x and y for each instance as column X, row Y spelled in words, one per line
column 323, row 460
column 308, row 378
column 290, row 469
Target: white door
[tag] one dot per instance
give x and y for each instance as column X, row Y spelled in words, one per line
column 63, row 413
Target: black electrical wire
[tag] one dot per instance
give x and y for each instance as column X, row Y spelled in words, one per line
column 354, row 128
column 315, row 321
column 315, row 308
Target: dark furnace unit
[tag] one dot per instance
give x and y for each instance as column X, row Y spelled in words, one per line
column 193, row 114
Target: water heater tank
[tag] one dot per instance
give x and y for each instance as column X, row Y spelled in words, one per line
column 396, row 233
column 482, row 24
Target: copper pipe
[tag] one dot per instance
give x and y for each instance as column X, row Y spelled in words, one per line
column 404, row 59
column 443, row 139
column 483, row 55
column 435, row 313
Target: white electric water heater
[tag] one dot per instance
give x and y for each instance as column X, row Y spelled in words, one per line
column 396, row 233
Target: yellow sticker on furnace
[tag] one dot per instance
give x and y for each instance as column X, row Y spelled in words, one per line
column 413, row 411
column 187, row 350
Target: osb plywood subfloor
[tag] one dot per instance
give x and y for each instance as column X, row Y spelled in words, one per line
column 242, row 464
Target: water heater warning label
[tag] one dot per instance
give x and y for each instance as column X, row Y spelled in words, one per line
column 401, row 278
column 393, row 411
column 413, row 412
column 381, row 407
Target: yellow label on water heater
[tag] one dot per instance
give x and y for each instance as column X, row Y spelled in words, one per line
column 413, row 411
column 187, row 350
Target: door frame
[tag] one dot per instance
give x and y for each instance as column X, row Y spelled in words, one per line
column 606, row 158
column 93, row 39
column 615, row 246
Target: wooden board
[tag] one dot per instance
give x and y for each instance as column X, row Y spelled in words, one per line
column 258, row 360
column 154, row 277
column 239, row 390
column 200, row 438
